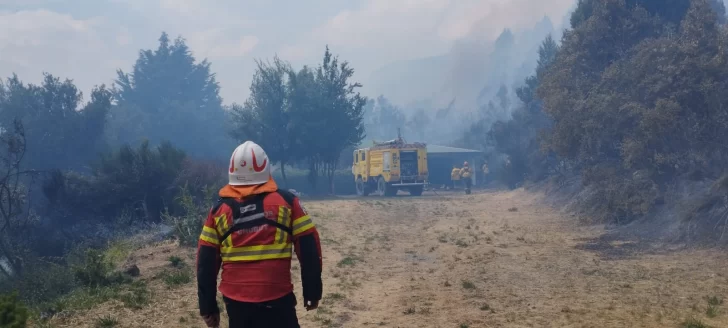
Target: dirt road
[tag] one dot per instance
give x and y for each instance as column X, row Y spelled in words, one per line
column 496, row 259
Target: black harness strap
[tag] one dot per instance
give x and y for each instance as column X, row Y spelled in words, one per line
column 249, row 214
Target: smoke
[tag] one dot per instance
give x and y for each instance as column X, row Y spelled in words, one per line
column 477, row 78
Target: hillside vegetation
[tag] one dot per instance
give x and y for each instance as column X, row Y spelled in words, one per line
column 628, row 114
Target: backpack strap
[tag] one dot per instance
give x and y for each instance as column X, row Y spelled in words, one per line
column 249, row 214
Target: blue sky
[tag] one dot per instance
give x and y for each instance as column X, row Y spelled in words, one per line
column 88, row 40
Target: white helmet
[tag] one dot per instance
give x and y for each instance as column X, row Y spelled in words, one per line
column 249, row 165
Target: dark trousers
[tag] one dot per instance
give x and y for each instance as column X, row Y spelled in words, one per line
column 468, row 182
column 280, row 313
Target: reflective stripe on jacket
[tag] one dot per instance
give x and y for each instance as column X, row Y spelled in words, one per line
column 455, row 174
column 256, row 259
column 465, row 172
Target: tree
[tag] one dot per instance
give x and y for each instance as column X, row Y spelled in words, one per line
column 341, row 110
column 15, row 218
column 635, row 93
column 170, row 96
column 61, row 134
column 518, row 137
column 266, row 115
column 384, row 120
column 13, row 314
column 419, row 123
column 307, row 118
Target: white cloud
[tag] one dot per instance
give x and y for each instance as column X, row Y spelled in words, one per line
column 89, row 44
column 36, row 41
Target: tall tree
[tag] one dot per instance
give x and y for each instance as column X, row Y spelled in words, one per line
column 385, row 119
column 266, row 115
column 518, row 137
column 636, row 101
column 419, row 124
column 61, row 133
column 170, row 96
column 341, row 108
column 307, row 119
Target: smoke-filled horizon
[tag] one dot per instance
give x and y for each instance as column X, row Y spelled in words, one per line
column 89, row 41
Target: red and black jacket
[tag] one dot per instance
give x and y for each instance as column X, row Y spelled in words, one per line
column 251, row 234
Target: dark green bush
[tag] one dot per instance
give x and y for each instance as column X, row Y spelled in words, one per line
column 42, row 281
column 13, row 314
column 94, row 269
column 138, row 181
column 187, row 225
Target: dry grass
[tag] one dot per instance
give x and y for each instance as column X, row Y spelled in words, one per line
column 461, row 261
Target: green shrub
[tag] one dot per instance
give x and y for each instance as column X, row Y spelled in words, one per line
column 138, row 180
column 187, row 225
column 94, row 269
column 42, row 281
column 137, row 296
column 618, row 199
column 177, row 277
column 13, row 314
column 176, row 261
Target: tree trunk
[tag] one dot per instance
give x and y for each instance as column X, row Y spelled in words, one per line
column 312, row 174
column 330, row 172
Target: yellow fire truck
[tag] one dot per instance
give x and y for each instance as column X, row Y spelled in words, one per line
column 388, row 167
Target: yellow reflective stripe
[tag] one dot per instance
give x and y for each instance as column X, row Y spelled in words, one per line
column 209, row 235
column 253, row 248
column 283, row 217
column 209, row 231
column 302, row 224
column 246, row 254
column 278, row 219
column 222, row 228
column 301, row 219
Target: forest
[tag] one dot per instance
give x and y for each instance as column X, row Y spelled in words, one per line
column 624, row 116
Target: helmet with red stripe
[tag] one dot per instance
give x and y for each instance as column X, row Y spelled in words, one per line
column 249, row 165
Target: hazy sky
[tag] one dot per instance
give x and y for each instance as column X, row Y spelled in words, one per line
column 88, row 40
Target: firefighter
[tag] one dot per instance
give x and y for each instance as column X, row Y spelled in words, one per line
column 251, row 233
column 454, row 176
column 465, row 174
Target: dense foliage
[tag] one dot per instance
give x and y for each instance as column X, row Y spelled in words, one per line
column 13, row 314
column 631, row 102
column 61, row 132
column 169, row 96
column 310, row 115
